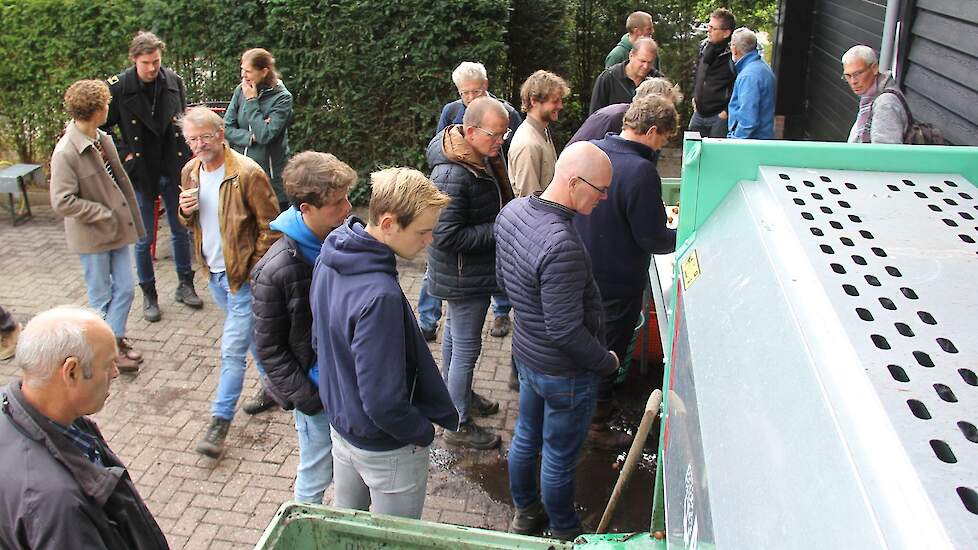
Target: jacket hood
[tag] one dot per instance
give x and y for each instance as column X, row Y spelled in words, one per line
column 625, row 42
column 350, row 250
column 291, row 223
column 748, row 58
column 452, row 147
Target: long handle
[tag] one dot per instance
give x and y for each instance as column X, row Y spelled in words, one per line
column 651, row 411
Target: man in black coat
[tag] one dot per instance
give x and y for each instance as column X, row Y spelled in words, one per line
column 317, row 185
column 146, row 101
column 617, row 83
column 715, row 76
column 60, row 485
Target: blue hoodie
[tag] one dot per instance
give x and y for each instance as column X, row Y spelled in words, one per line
column 383, row 389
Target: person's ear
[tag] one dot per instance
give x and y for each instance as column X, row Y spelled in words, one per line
column 305, row 207
column 70, row 370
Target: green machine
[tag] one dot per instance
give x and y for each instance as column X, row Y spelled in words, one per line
column 820, row 385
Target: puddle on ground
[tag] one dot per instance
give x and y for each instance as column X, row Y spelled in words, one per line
column 597, row 472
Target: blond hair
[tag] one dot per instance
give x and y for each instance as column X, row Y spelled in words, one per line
column 311, row 177
column 201, row 116
column 541, row 86
column 403, row 192
column 84, row 98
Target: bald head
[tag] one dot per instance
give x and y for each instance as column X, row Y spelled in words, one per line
column 582, row 177
column 53, row 335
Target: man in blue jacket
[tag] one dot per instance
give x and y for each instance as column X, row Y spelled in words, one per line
column 634, row 219
column 558, row 340
column 382, row 390
column 751, row 109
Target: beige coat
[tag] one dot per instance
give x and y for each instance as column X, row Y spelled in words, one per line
column 99, row 214
column 532, row 158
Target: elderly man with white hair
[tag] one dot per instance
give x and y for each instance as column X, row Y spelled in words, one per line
column 751, row 109
column 881, row 117
column 61, row 486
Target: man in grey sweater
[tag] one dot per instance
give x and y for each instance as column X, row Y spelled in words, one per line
column 881, row 117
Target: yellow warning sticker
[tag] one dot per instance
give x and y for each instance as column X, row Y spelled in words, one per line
column 690, row 267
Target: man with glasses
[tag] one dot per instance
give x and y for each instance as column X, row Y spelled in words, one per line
column 751, row 108
column 617, row 83
column 881, row 117
column 634, row 219
column 466, row 165
column 229, row 203
column 715, row 76
column 472, row 83
column 558, row 343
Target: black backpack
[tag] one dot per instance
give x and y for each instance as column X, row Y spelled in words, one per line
column 917, row 133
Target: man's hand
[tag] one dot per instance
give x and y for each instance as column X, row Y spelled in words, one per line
column 694, row 106
column 672, row 216
column 188, row 202
column 248, row 88
column 617, row 361
column 723, row 115
column 129, row 157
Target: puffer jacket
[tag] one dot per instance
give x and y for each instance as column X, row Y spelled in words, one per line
column 53, row 496
column 247, row 206
column 546, row 272
column 462, row 255
column 283, row 325
column 267, row 118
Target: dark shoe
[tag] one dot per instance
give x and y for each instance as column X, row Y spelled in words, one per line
column 601, row 436
column 500, row 326
column 471, row 435
column 125, row 348
column 151, row 302
column 569, row 534
column 480, row 406
column 514, row 380
column 125, row 364
column 213, row 443
column 530, row 520
column 259, row 403
column 185, row 293
column 430, row 334
column 8, row 342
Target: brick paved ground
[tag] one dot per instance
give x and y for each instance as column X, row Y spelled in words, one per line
column 154, row 418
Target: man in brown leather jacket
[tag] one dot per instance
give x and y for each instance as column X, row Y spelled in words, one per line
column 228, row 201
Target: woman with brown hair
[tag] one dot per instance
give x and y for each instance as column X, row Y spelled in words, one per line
column 257, row 119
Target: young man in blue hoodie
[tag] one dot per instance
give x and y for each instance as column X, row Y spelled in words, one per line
column 382, row 390
column 317, row 187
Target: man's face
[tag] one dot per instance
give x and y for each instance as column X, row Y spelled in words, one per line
column 642, row 61
column 644, row 31
column 408, row 242
column 323, row 219
column 101, row 116
column 206, row 142
column 88, row 392
column 859, row 76
column 469, row 90
column 549, row 110
column 487, row 138
column 586, row 194
column 715, row 31
column 148, row 65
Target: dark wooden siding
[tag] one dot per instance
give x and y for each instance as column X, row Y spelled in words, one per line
column 838, row 25
column 940, row 78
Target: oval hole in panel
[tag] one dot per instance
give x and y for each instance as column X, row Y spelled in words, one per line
column 865, row 234
column 864, row 314
column 943, row 451
column 847, row 241
column 838, row 269
column 850, row 290
column 873, row 281
column 919, row 409
column 816, row 231
column 851, row 185
column 880, row 341
column 879, row 251
column 923, row 359
column 969, row 376
column 969, row 430
column 934, row 207
column 927, row 317
column 887, row 303
column 898, row 374
column 947, row 345
column 894, row 272
column 908, row 292
column 945, row 393
column 904, row 329
column 969, row 498
column 859, row 260
column 826, row 249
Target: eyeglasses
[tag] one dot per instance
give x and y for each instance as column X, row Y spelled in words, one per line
column 472, row 93
column 711, row 28
column 204, row 138
column 601, row 191
column 497, row 137
column 854, row 75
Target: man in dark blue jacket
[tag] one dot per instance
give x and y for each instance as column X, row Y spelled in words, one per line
column 382, row 389
column 623, row 233
column 558, row 340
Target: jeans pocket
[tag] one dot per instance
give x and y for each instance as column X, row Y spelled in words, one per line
column 561, row 401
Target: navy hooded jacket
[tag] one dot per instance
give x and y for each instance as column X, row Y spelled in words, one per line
column 623, row 232
column 379, row 383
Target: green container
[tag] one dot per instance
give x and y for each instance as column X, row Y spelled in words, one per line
column 670, row 191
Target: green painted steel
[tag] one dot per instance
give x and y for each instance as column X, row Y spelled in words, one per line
column 670, row 191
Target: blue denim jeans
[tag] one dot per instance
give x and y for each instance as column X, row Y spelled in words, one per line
column 555, row 414
column 429, row 307
column 460, row 348
column 236, row 341
column 108, row 280
column 708, row 126
column 315, row 470
column 179, row 237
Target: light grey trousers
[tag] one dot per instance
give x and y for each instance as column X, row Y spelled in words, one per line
column 386, row 482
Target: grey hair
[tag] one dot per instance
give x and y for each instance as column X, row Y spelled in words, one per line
column 645, row 42
column 476, row 112
column 53, row 336
column 201, row 117
column 744, row 40
column 860, row 51
column 661, row 87
column 469, row 70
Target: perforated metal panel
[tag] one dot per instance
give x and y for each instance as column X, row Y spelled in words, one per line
column 898, row 259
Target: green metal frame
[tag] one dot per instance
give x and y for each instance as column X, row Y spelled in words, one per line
column 712, row 167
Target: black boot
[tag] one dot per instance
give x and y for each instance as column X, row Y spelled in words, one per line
column 151, row 302
column 186, row 293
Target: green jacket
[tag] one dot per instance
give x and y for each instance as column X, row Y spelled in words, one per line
column 619, row 53
column 267, row 118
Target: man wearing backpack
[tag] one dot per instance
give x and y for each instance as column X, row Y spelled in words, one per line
column 882, row 116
